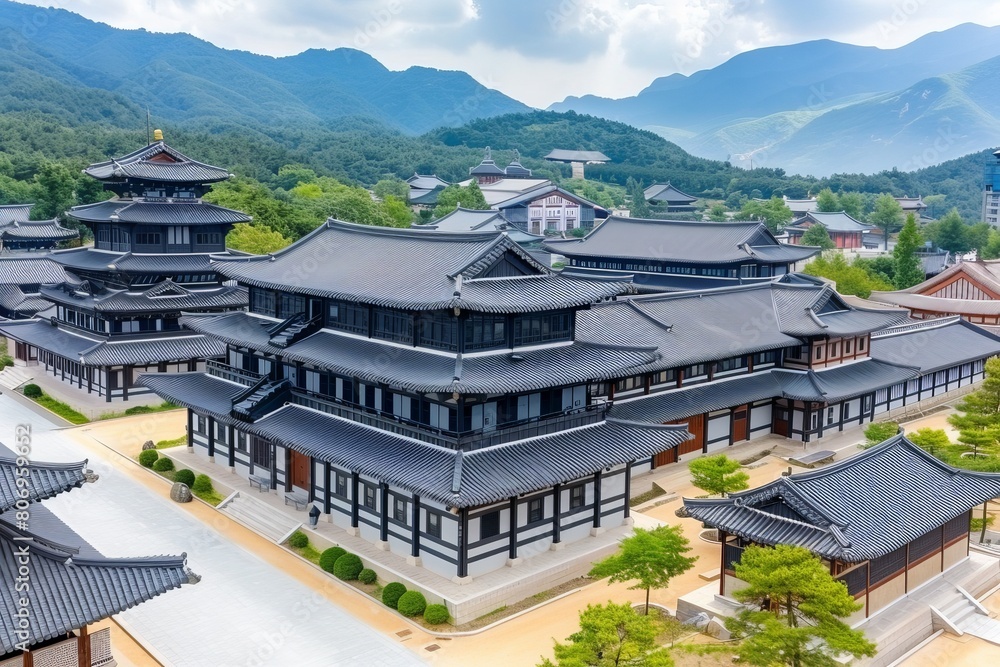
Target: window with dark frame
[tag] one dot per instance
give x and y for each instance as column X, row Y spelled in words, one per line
column 489, row 525
column 260, row 452
column 434, row 524
column 577, row 496
column 535, row 510
column 369, row 497
column 340, row 484
column 399, row 510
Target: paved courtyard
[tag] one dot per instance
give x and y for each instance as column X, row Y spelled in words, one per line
column 243, row 612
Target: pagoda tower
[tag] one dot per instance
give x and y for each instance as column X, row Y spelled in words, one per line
column 117, row 314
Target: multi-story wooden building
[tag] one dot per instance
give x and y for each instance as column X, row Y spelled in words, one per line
column 967, row 289
column 19, row 232
column 844, row 231
column 465, row 407
column 666, row 198
column 119, row 314
column 660, row 255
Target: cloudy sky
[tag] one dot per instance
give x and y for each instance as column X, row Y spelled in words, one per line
column 540, row 51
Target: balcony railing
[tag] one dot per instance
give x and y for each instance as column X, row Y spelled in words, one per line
column 227, row 372
column 474, row 439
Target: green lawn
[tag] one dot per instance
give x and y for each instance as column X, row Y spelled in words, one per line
column 138, row 410
column 176, row 442
column 61, row 409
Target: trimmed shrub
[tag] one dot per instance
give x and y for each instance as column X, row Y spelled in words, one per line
column 299, row 540
column 148, row 458
column 367, row 576
column 184, row 476
column 328, row 558
column 202, row 484
column 6, row 360
column 436, row 614
column 880, row 432
column 32, row 391
column 348, row 567
column 140, row 410
column 391, row 594
column 411, row 603
column 163, row 464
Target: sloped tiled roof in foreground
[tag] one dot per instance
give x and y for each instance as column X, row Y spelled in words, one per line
column 842, row 511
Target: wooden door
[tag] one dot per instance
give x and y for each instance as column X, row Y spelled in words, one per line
column 779, row 420
column 740, row 429
column 665, row 458
column 300, row 470
column 696, row 425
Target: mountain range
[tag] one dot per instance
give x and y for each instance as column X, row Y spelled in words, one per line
column 821, row 107
column 181, row 78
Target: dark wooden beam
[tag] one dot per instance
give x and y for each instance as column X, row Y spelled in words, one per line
column 355, row 485
column 512, row 541
column 597, row 499
column 415, row 528
column 556, row 502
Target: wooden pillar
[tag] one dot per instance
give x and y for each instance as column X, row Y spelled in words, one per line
column 463, row 542
column 806, row 421
column 274, row 465
column 942, row 547
column 231, row 433
column 906, row 570
column 107, row 383
column 415, row 523
column 556, row 498
column 355, row 485
column 83, row 648
column 383, row 528
column 722, row 568
column 512, row 546
column 126, row 380
column 628, row 488
column 328, row 487
column 312, row 479
column 597, row 499
column 288, row 468
column 868, row 587
column 211, row 437
column 190, row 428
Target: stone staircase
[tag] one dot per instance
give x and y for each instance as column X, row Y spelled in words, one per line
column 13, row 377
column 259, row 517
column 963, row 615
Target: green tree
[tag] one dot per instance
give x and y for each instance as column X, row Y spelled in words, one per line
column 817, row 235
column 774, row 213
column 888, row 215
column 718, row 474
column 397, row 211
column 931, row 439
column 651, row 558
column 256, row 239
column 612, row 635
column 717, row 213
column 952, row 233
column 795, row 612
column 291, row 175
column 851, row 278
column 908, row 269
column 638, row 206
column 978, row 235
column 827, row 202
column 392, row 186
column 992, row 248
column 56, row 191
column 455, row 195
column 852, row 203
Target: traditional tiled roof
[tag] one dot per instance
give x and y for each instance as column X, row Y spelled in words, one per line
column 932, row 345
column 666, row 192
column 840, row 511
column 194, row 212
column 164, row 296
column 15, row 299
column 938, row 304
column 102, row 260
column 544, row 191
column 683, row 403
column 43, row 480
column 14, row 213
column 682, row 242
column 424, row 182
column 834, row 222
column 72, row 585
column 424, row 197
column 843, row 381
column 414, row 269
column 30, row 270
column 465, row 220
column 157, row 162
column 95, row 350
column 37, row 230
column 456, row 478
column 985, row 273
column 562, row 155
column 422, row 370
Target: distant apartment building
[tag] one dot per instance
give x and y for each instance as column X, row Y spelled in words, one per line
column 991, row 190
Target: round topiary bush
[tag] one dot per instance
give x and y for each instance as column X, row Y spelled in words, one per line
column 391, row 594
column 184, row 476
column 148, row 458
column 299, row 540
column 32, row 390
column 436, row 614
column 367, row 576
column 163, row 464
column 348, row 567
column 202, row 484
column 411, row 603
column 328, row 558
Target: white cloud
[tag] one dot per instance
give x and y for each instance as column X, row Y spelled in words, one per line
column 540, row 51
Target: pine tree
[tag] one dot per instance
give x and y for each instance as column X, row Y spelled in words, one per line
column 886, row 216
column 612, row 635
column 818, row 236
